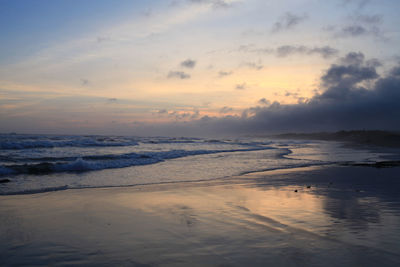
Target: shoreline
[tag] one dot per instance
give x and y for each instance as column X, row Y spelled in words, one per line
column 269, row 172
column 215, row 180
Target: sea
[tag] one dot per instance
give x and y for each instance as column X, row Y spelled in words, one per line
column 41, row 163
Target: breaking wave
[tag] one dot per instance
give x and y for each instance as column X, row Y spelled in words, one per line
column 100, row 162
column 28, row 142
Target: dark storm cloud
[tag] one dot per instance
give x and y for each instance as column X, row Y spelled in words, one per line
column 352, row 96
column 178, row 74
column 348, row 101
column 288, row 21
column 188, row 63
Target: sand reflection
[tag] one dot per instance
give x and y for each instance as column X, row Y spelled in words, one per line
column 222, row 223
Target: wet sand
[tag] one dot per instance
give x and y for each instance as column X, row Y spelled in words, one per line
column 339, row 216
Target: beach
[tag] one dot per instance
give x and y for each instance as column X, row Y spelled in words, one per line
column 312, row 216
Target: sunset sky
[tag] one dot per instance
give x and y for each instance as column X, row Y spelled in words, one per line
column 145, row 67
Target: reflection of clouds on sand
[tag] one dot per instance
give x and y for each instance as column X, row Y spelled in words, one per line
column 252, row 220
column 357, row 205
column 355, row 211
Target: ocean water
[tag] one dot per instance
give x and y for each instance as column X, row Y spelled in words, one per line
column 39, row 163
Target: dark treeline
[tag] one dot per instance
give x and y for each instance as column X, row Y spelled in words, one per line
column 378, row 138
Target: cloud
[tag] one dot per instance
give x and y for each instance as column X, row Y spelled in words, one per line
column 288, row 21
column 195, row 114
column 292, row 94
column 264, row 101
column 214, row 3
column 242, row 86
column 325, row 51
column 368, row 19
column 253, row 65
column 225, row 110
column 356, row 30
column 348, row 101
column 359, row 25
column 352, row 96
column 353, row 30
column 188, row 63
column 359, row 3
column 224, row 73
column 178, row 74
column 84, row 82
column 185, row 115
column 288, row 50
column 112, row 100
column 101, row 39
column 352, row 58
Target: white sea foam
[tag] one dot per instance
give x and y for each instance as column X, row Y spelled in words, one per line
column 99, row 162
column 117, row 162
column 26, row 142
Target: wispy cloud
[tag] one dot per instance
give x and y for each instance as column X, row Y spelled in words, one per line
column 112, row 100
column 178, row 74
column 358, row 3
column 253, row 65
column 325, row 51
column 162, row 111
column 224, row 73
column 214, row 3
column 188, row 63
column 225, row 110
column 288, row 21
column 264, row 101
column 359, row 25
column 84, row 82
column 288, row 50
column 241, row 86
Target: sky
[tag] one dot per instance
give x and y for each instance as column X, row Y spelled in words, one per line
column 198, row 67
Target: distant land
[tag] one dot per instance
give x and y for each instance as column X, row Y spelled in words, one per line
column 361, row 137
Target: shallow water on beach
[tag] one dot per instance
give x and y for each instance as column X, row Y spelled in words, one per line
column 349, row 216
column 40, row 163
